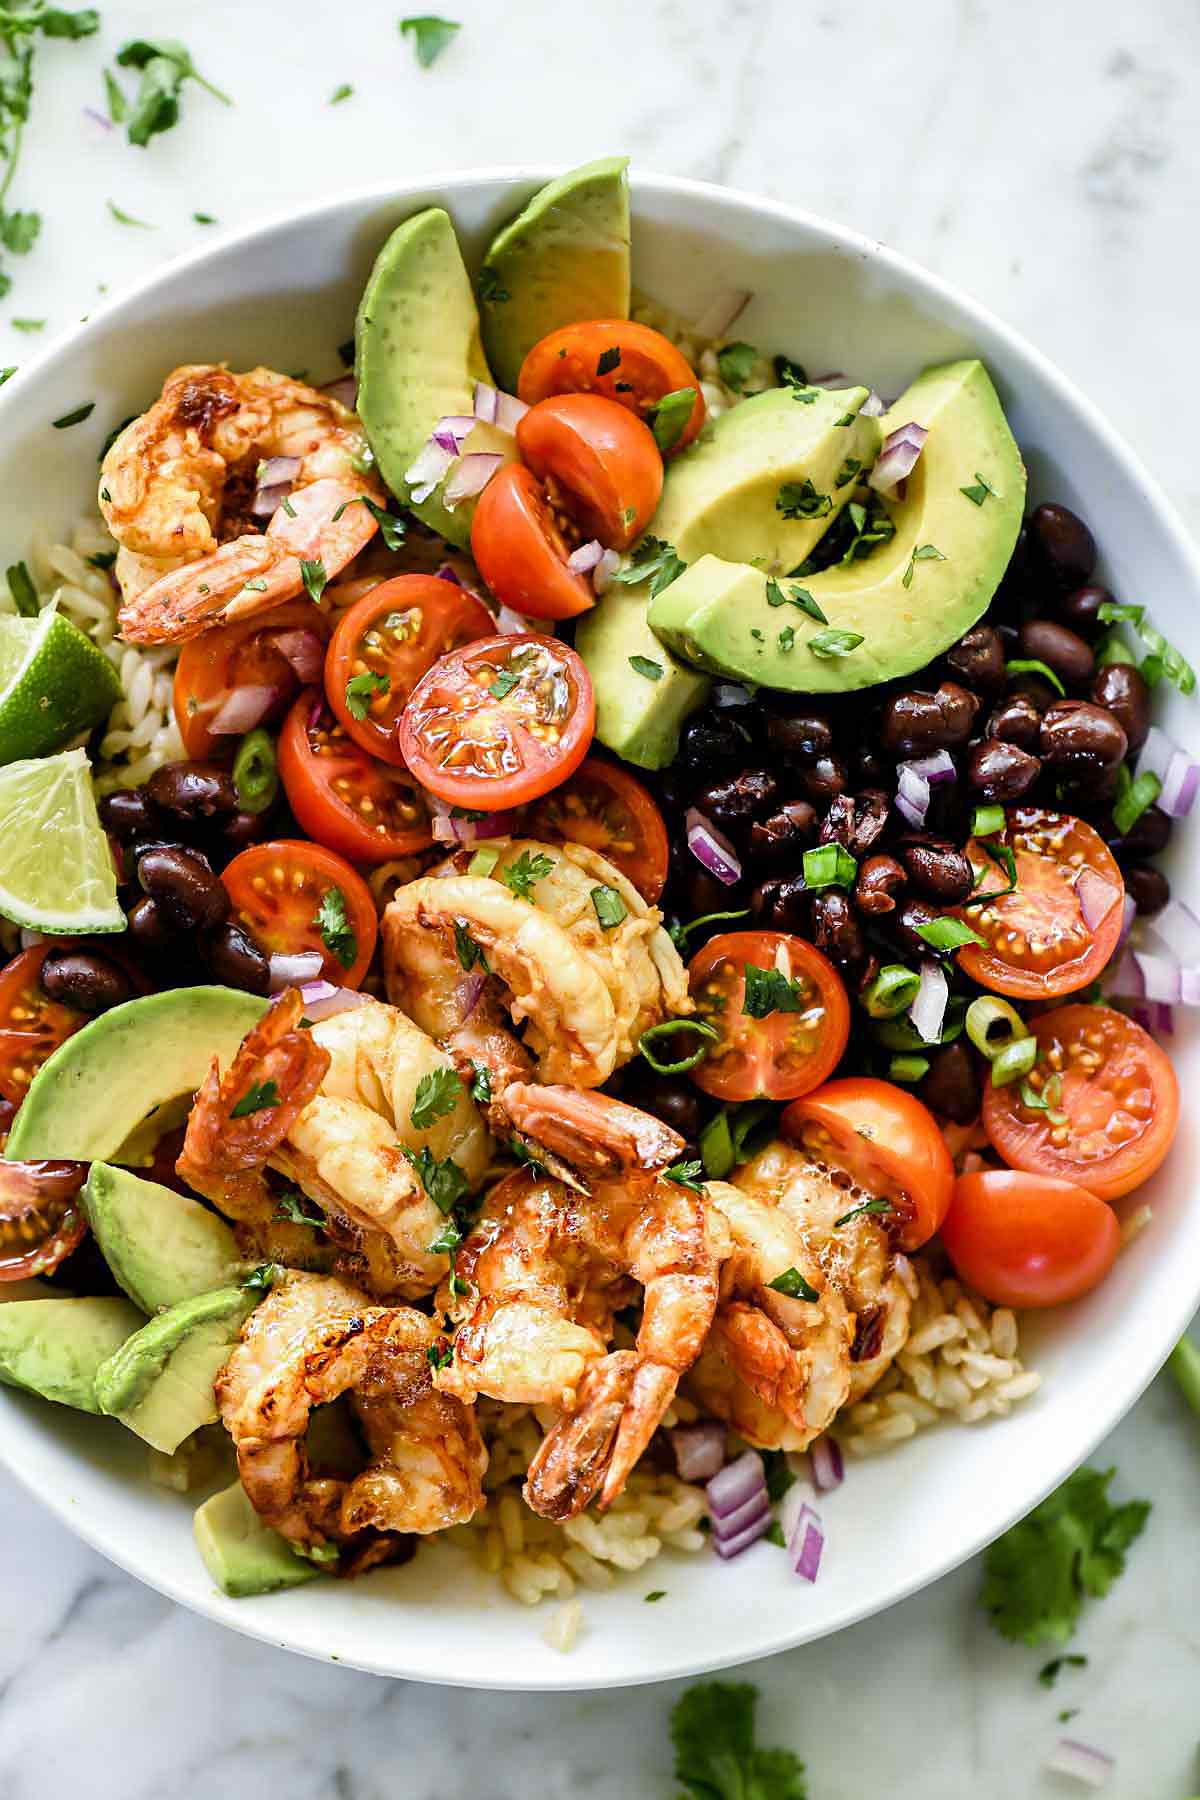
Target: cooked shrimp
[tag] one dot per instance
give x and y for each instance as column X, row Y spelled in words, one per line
column 592, row 1131
column 176, row 484
column 310, row 1340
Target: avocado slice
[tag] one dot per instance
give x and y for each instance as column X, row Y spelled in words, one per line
column 911, row 598
column 244, row 1556
column 161, row 1246
column 88, row 1097
column 418, row 357
column 766, row 480
column 54, row 1347
column 636, row 717
column 565, row 258
column 160, row 1381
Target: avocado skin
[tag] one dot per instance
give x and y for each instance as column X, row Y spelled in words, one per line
column 55, row 1347
column 100, row 1084
column 201, row 1329
column 563, row 259
column 244, row 1556
column 161, row 1247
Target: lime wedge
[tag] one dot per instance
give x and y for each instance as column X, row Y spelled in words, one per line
column 56, row 873
column 54, row 683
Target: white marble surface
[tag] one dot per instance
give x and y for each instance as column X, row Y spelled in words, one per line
column 1045, row 157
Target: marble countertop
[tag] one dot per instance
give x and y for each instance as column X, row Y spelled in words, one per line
column 1045, row 158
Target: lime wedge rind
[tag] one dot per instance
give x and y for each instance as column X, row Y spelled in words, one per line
column 56, row 871
column 54, row 684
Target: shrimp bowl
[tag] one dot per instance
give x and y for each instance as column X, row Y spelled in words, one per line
column 597, row 928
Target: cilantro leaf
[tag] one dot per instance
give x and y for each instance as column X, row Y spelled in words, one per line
column 481, row 1087
column 646, row 667
column 522, row 874
column 165, row 65
column 670, row 416
column 467, row 950
column 361, row 690
column 314, row 577
column 444, row 1181
column 609, row 907
column 340, row 93
column 716, row 1758
column 258, row 1097
column 655, row 561
column 291, row 1206
column 768, row 991
column 801, row 500
column 337, row 933
column 793, row 1284
column 686, row 1174
column 24, row 594
column 864, row 1211
column 124, row 218
column 735, row 362
column 438, row 1093
column 430, row 36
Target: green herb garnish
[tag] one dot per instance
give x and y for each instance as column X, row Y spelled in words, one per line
column 361, row 690
column 646, row 667
column 490, row 288
column 1167, row 659
column 979, row 491
column 430, row 36
column 481, row 1087
column 947, row 934
column 686, row 1174
column 440, row 1355
column 829, row 865
column 314, row 578
column 793, row 1284
column 444, row 1181
column 867, row 1209
column 469, row 953
column 801, row 500
column 124, row 218
column 835, row 643
column 165, row 65
column 24, row 594
column 1030, row 665
column 506, row 680
column 259, row 1097
column 654, row 561
column 438, row 1093
column 716, row 1757
column 522, row 875
column 610, row 908
column 291, row 1206
column 340, row 93
column 74, row 418
column 735, row 363
column 1134, row 796
column 668, row 421
column 337, row 933
column 668, row 1028
column 768, row 991
column 922, row 553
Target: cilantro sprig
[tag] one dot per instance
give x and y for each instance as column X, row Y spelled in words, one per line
column 333, row 923
column 164, row 64
column 716, row 1757
column 438, row 1093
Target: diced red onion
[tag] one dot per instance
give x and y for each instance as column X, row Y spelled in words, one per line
column 1179, row 786
column 97, row 118
column 1124, row 978
column 726, row 1548
column 699, row 1450
column 293, row 970
column 1154, row 1017
column 898, row 458
column 510, row 622
column 276, row 469
column 245, row 708
column 1096, row 896
column 447, row 829
column 872, row 407
column 1082, row 1762
column 344, row 390
column 912, row 796
column 937, row 767
column 736, row 1483
column 828, row 1469
column 448, row 572
column 581, row 561
column 1128, row 915
column 604, row 571
column 321, row 1000
column 431, row 465
column 1179, row 929
column 732, row 1524
column 509, row 412
column 929, row 1004
column 469, row 990
column 713, row 851
column 806, row 1543
column 452, row 432
column 722, row 311
column 470, row 476
column 302, row 650
column 268, row 500
column 1160, row 977
column 484, row 403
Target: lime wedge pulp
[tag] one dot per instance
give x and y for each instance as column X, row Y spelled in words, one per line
column 54, row 683
column 56, row 872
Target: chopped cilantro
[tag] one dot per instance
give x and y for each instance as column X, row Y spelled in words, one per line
column 340, row 93
column 847, row 472
column 438, row 1093
column 922, row 553
column 528, row 869
column 203, row 219
column 481, row 1087
column 686, row 1174
column 801, row 500
column 506, row 680
column 430, row 36
column 1049, row 1673
column 524, row 1153
column 668, row 421
column 24, row 594
column 793, row 1284
column 259, row 1097
column 978, row 492
column 314, row 577
column 444, row 1181
column 787, row 638
column 646, row 667
column 469, row 953
column 608, row 361
column 735, row 362
column 74, row 418
column 124, row 218
column 769, row 991
column 610, row 908
column 440, row 1355
column 867, row 1208
column 291, row 1206
column 716, row 1758
column 261, row 1279
column 490, row 288
column 337, row 933
column 165, row 65
column 796, row 596
column 361, row 690
column 653, row 561
column 834, row 643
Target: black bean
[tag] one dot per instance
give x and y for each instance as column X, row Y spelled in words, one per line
column 1061, row 545
column 1034, row 688
column 1149, row 835
column 674, row 1100
column 997, row 770
column 1149, row 888
column 236, row 960
column 1080, row 609
column 183, row 883
column 870, row 770
column 149, row 926
column 1078, row 737
column 952, row 1085
column 835, row 930
column 856, row 821
column 702, row 892
column 193, row 790
column 731, row 804
column 904, row 923
column 938, row 869
column 711, row 744
column 786, row 831
column 800, row 736
column 782, row 903
column 978, row 658
column 1121, row 689
column 825, row 779
column 880, row 879
column 129, row 814
column 84, row 979
column 242, row 829
column 1015, row 583
column 1060, row 648
column 1017, row 720
column 916, row 722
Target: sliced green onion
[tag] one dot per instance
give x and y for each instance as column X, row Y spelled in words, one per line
column 1014, row 1060
column 908, row 1068
column 891, row 992
column 678, row 934
column 829, row 865
column 668, row 1028
column 984, row 1015
column 483, row 861
column 902, row 1035
column 1030, row 665
column 1134, row 800
column 1113, row 649
column 255, row 772
column 609, row 906
column 986, row 821
column 947, row 934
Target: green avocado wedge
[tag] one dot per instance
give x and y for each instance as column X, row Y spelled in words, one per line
column 55, row 1347
column 161, row 1246
column 892, row 611
column 244, row 1556
column 637, row 715
column 88, row 1097
column 563, row 259
column 160, row 1381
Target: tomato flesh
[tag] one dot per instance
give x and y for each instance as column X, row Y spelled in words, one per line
column 385, row 643
column 32, row 1026
column 608, row 810
column 786, row 1052
column 280, row 893
column 619, row 358
column 521, row 546
column 601, row 458
column 1028, row 1240
column 41, row 1220
column 244, row 654
column 499, row 722
column 345, row 799
column 1111, row 1103
column 1058, row 928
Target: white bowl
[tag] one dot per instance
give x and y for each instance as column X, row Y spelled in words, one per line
column 285, row 294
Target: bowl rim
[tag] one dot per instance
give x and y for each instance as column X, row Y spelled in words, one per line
column 1164, row 1330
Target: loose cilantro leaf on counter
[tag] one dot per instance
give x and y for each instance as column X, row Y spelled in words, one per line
column 716, row 1758
column 1037, row 1576
column 438, row 1093
column 164, row 65
column 18, row 29
column 430, row 36
column 337, row 933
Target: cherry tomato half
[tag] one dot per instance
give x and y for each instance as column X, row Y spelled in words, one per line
column 41, row 1220
column 607, row 809
column 887, row 1140
column 1108, row 1103
column 32, row 1026
column 249, row 653
column 787, row 1035
column 1058, row 927
column 1028, row 1240
column 386, row 642
column 629, row 363
column 520, row 550
column 600, row 458
column 499, row 722
column 291, row 896
column 345, row 799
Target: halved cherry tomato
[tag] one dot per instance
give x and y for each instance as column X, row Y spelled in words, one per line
column 600, row 458
column 1028, row 1240
column 639, row 367
column 1059, row 926
column 41, row 1220
column 499, row 722
column 608, row 810
column 1111, row 1103
column 32, row 1026
column 891, row 1144
column 520, row 550
column 245, row 654
column 345, row 799
column 291, row 896
column 772, row 1051
column 386, row 642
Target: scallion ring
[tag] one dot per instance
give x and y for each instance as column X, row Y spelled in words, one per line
column 1014, row 1060
column 984, row 1016
column 668, row 1028
column 892, row 990
column 255, row 772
